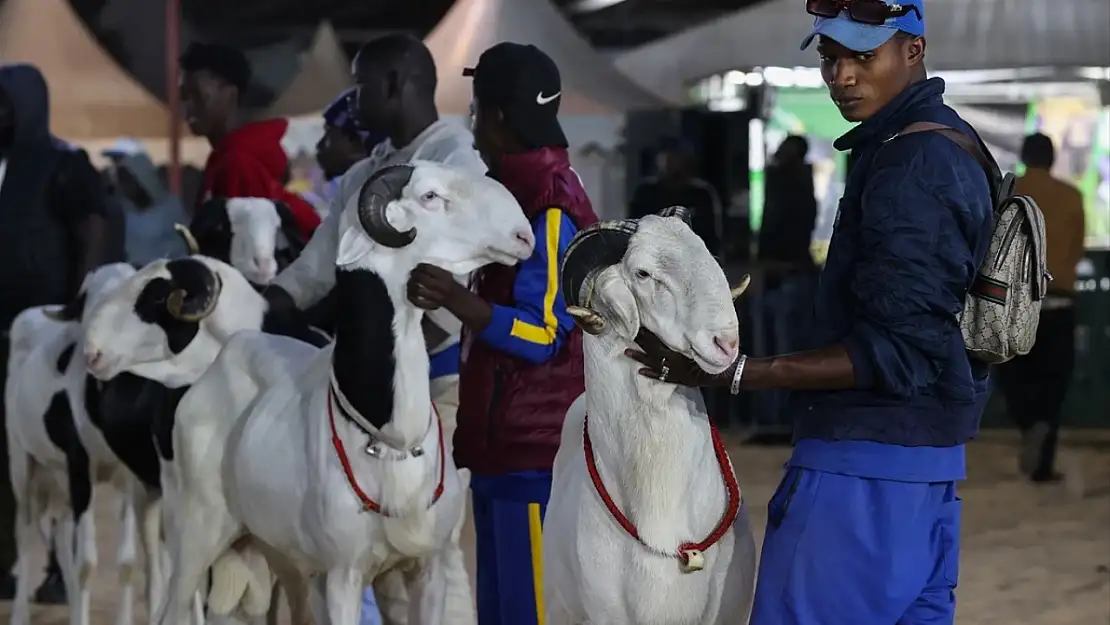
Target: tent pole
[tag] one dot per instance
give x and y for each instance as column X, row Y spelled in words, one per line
column 173, row 95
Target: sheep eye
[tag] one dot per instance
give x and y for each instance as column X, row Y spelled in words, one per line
column 642, row 275
column 429, row 196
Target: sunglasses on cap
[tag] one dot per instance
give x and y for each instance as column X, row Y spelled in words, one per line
column 874, row 12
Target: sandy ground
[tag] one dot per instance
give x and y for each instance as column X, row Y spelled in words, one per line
column 1031, row 555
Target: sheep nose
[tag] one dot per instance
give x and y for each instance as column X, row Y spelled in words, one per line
column 92, row 356
column 263, row 263
column 526, row 237
column 729, row 343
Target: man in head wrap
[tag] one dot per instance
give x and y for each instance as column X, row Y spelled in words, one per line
column 344, row 143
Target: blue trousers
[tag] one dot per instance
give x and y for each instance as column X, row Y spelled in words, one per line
column 843, row 550
column 508, row 523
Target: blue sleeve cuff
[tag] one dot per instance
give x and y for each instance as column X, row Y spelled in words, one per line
column 859, row 352
column 500, row 326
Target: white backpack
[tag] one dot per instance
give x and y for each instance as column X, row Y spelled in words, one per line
column 1003, row 305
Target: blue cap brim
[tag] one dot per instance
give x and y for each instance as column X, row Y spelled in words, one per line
column 852, row 35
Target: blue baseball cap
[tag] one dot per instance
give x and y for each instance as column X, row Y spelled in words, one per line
column 866, row 37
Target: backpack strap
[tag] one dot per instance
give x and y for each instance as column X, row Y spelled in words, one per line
column 1001, row 186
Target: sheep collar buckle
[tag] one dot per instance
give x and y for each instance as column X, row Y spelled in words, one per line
column 690, row 556
column 368, row 504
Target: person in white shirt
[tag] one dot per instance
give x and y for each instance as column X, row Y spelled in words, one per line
column 395, row 80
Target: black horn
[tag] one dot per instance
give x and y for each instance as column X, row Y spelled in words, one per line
column 591, row 250
column 383, row 187
column 70, row 312
column 682, row 212
column 196, row 289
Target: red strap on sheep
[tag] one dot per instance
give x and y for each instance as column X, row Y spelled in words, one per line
column 367, row 502
column 690, row 555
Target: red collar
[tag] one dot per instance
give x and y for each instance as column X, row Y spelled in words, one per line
column 690, row 555
column 367, row 502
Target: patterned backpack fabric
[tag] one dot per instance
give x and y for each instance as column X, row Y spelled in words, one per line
column 1003, row 305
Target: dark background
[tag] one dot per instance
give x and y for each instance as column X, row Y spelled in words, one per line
column 275, row 31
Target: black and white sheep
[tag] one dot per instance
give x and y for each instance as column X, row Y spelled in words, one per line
column 257, row 236
column 362, row 402
column 58, row 454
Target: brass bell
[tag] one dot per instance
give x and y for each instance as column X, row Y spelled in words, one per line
column 694, row 560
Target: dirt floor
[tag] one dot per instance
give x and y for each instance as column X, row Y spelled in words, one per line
column 1031, row 555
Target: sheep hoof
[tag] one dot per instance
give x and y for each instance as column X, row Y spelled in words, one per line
column 692, row 560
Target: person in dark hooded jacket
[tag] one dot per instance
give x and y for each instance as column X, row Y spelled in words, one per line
column 150, row 210
column 55, row 230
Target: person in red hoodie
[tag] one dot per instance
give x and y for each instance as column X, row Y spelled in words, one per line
column 247, row 159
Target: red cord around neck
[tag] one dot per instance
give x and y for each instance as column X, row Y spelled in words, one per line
column 731, row 486
column 367, row 502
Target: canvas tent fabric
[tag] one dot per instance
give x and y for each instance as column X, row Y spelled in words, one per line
column 591, row 86
column 323, row 74
column 90, row 95
column 961, row 35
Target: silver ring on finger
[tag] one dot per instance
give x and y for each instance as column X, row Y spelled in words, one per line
column 663, row 373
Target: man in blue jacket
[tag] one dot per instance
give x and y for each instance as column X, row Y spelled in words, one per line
column 864, row 528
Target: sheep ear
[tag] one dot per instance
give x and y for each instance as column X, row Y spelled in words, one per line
column 354, row 243
column 614, row 302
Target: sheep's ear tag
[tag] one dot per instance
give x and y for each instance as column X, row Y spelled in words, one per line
column 694, row 560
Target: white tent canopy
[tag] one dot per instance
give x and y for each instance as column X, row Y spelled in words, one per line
column 324, row 73
column 90, row 95
column 961, row 35
column 591, row 86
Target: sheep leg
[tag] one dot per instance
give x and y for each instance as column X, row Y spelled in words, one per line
column 150, row 509
column 317, row 599
column 200, row 535
column 392, row 597
column 460, row 608
column 21, row 469
column 344, row 596
column 77, row 593
column 84, row 558
column 127, row 558
column 427, row 583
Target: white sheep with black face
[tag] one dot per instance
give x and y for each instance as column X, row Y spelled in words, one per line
column 257, row 236
column 365, row 399
column 652, row 443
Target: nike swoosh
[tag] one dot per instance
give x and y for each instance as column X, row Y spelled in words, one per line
column 541, row 100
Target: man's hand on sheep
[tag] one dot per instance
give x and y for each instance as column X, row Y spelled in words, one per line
column 432, row 287
column 680, row 369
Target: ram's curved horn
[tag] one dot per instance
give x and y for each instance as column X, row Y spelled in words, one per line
column 587, row 319
column 193, row 308
column 592, row 249
column 681, row 212
column 383, row 187
column 739, row 289
column 190, row 240
column 55, row 314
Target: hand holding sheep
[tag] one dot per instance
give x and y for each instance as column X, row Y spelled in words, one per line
column 430, row 287
column 658, row 359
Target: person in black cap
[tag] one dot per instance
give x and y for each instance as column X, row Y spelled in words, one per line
column 521, row 355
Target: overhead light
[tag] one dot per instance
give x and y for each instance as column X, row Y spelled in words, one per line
column 589, row 6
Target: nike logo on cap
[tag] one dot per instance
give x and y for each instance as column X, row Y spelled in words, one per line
column 541, row 99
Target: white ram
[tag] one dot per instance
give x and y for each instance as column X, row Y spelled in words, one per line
column 58, row 457
column 646, row 525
